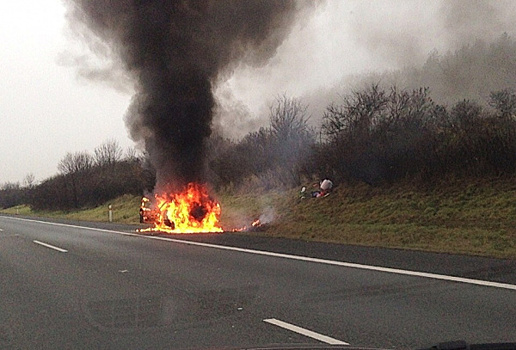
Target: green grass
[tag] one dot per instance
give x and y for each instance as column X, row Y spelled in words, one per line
column 125, row 210
column 470, row 216
column 18, row 210
column 475, row 217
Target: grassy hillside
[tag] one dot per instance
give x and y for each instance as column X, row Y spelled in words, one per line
column 472, row 217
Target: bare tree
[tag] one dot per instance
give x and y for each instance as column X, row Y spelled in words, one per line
column 464, row 113
column 357, row 113
column 74, row 166
column 132, row 154
column 108, row 153
column 75, row 162
column 291, row 136
column 288, row 117
column 504, row 101
column 29, row 180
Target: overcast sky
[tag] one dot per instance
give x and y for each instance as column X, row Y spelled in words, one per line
column 46, row 110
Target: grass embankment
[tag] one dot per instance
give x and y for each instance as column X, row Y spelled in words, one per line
column 125, row 210
column 472, row 217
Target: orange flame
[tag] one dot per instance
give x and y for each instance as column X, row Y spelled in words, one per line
column 191, row 211
column 255, row 223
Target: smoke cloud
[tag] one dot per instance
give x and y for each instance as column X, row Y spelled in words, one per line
column 249, row 52
column 175, row 52
column 346, row 44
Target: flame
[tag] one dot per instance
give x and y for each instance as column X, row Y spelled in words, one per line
column 254, row 224
column 191, row 211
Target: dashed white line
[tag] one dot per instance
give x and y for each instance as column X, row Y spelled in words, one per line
column 297, row 257
column 307, row 333
column 51, row 246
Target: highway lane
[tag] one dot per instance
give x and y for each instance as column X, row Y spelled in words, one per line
column 110, row 290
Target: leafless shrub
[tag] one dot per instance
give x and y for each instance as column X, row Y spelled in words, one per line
column 274, row 154
column 108, row 153
column 504, row 101
column 73, row 163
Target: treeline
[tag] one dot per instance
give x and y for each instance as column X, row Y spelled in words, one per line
column 380, row 133
column 376, row 136
column 373, row 135
column 84, row 180
column 271, row 157
column 12, row 194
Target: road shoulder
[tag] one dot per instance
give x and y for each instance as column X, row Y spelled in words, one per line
column 482, row 268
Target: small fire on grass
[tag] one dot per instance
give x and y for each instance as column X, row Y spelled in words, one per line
column 191, row 211
column 254, row 226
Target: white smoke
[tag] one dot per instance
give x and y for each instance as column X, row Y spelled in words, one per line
column 344, row 39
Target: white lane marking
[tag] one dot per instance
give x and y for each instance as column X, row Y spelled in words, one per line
column 305, row 332
column 297, row 257
column 1, row 230
column 342, row 263
column 51, row 246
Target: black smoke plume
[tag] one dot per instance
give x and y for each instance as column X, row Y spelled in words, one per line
column 175, row 51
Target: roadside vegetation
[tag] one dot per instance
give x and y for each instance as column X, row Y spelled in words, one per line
column 124, row 209
column 409, row 172
column 468, row 216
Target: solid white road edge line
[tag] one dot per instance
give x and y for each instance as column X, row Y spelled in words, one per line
column 305, row 332
column 297, row 257
column 51, row 246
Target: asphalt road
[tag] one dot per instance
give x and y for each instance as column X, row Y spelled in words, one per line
column 64, row 286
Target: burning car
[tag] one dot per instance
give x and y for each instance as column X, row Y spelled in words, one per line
column 189, row 211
